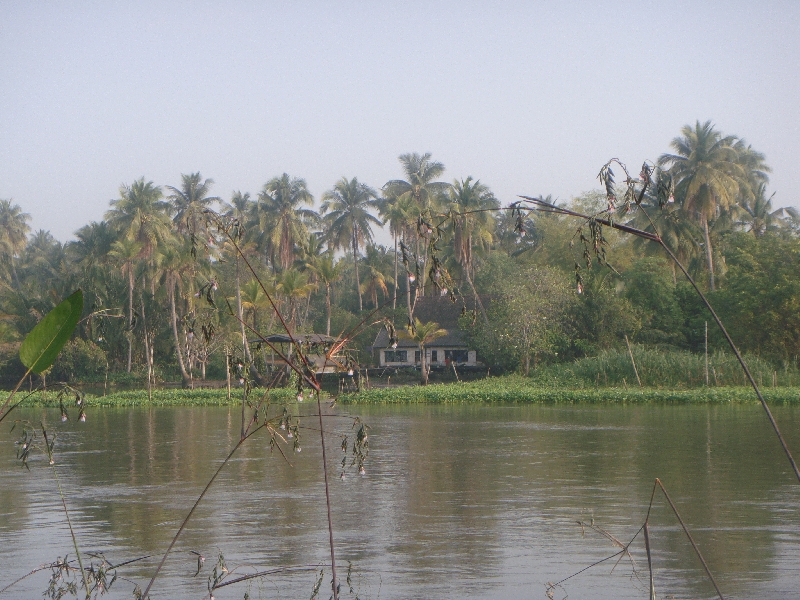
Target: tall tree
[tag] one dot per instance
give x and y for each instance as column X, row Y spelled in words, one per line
column 420, row 172
column 189, row 201
column 328, row 271
column 14, row 230
column 376, row 263
column 281, row 217
column 472, row 205
column 126, row 252
column 348, row 218
column 708, row 176
column 399, row 215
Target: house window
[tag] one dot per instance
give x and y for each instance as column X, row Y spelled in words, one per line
column 395, row 356
column 457, row 356
column 416, row 356
column 434, row 356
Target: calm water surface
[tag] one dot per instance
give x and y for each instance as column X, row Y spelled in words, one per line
column 461, row 501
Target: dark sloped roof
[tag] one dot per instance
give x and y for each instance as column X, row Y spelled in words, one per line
column 437, row 309
column 302, row 338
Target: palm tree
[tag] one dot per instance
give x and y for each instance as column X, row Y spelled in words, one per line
column 757, row 214
column 672, row 224
column 14, row 230
column 190, row 200
column 707, row 174
column 420, row 172
column 328, row 271
column 472, row 205
column 399, row 214
column 293, row 285
column 240, row 209
column 176, row 263
column 140, row 215
column 423, row 334
column 254, row 299
column 349, row 221
column 126, row 253
column 281, row 218
column 376, row 263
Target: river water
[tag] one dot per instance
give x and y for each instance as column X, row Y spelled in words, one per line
column 457, row 502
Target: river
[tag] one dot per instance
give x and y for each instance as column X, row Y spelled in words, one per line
column 457, row 502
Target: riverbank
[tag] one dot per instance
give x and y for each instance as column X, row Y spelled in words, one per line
column 493, row 390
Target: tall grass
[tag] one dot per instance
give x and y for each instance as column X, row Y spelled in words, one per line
column 665, row 369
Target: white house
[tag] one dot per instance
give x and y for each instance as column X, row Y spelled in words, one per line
column 442, row 352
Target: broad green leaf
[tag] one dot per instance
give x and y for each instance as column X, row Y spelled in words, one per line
column 42, row 345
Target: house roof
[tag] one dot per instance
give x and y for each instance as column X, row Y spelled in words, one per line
column 437, row 309
column 302, row 338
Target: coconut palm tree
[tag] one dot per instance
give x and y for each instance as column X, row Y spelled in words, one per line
column 328, row 271
column 189, row 201
column 126, row 252
column 420, row 172
column 281, row 217
column 175, row 265
column 376, row 263
column 14, row 230
column 419, row 184
column 348, row 220
column 140, row 215
column 708, row 176
column 240, row 209
column 757, row 215
column 293, row 285
column 472, row 205
column 423, row 334
column 399, row 214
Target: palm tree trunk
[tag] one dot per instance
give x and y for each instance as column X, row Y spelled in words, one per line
column 355, row 263
column 245, row 345
column 146, row 349
column 709, row 256
column 423, row 364
column 328, row 307
column 174, row 321
column 130, row 316
column 396, row 283
column 477, row 297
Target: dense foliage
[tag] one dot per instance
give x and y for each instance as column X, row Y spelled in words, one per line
column 171, row 292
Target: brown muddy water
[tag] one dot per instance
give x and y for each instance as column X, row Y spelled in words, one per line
column 457, row 502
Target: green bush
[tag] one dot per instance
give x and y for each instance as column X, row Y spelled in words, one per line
column 80, row 359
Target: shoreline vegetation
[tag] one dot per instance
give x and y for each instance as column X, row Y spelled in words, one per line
column 608, row 378
column 510, row 389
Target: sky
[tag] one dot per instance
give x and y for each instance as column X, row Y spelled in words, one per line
column 529, row 97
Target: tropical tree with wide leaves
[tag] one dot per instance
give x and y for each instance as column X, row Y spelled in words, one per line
column 14, row 230
column 757, row 215
column 472, row 205
column 126, row 252
column 423, row 334
column 399, row 214
column 141, row 215
column 293, row 285
column 376, row 263
column 328, row 271
column 189, row 201
column 420, row 172
column 708, row 177
column 348, row 220
column 281, row 217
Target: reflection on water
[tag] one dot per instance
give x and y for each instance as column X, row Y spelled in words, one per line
column 461, row 501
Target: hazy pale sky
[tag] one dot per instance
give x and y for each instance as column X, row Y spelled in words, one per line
column 530, row 97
